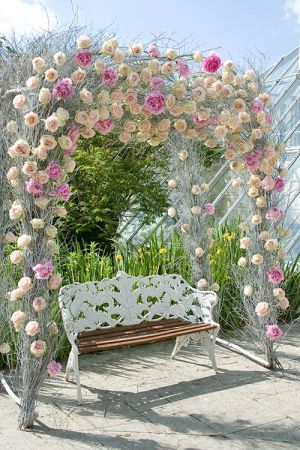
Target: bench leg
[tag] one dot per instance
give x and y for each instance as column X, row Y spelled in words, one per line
column 209, row 340
column 77, row 375
column 69, row 366
column 181, row 341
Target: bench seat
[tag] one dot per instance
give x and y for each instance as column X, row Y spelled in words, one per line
column 144, row 333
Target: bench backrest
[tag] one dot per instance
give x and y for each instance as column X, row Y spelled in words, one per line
column 129, row 300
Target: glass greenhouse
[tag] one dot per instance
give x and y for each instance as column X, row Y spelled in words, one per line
column 283, row 83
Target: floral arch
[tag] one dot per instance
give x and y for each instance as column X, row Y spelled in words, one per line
column 181, row 103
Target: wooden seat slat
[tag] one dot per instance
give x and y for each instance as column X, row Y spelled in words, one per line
column 161, row 323
column 141, row 338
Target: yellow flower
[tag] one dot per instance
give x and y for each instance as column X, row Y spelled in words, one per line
column 229, row 236
column 119, row 257
column 219, row 251
column 140, row 250
column 163, row 251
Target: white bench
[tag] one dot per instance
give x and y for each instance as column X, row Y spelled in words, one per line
column 127, row 310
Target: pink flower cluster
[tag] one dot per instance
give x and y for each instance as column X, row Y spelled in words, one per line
column 34, row 187
column 63, row 89
column 274, row 214
column 275, row 275
column 155, row 103
column 104, row 126
column 110, row 77
column 257, row 106
column 54, row 171
column 252, row 160
column 273, row 332
column 156, row 83
column 43, row 270
column 212, row 63
column 53, row 368
column 183, row 68
column 74, row 133
column 153, row 51
column 62, row 191
column 209, row 208
column 83, row 58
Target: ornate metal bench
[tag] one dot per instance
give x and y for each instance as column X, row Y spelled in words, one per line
column 126, row 310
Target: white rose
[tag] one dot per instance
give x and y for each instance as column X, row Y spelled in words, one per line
column 172, row 184
column 24, row 241
column 4, row 348
column 196, row 210
column 135, row 49
column 37, row 224
column 69, row 165
column 83, row 42
column 38, row 64
column 59, row 58
column 198, row 56
column 50, row 231
column 248, row 290
column 199, row 252
column 242, row 262
column 172, row 212
column 202, row 283
column 171, row 53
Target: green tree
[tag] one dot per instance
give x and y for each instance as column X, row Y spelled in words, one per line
column 111, row 179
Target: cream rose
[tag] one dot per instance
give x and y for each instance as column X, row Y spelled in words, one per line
column 48, row 142
column 53, row 328
column 37, row 224
column 262, row 309
column 202, row 283
column 16, row 257
column 12, row 174
column 42, row 202
column 257, row 259
column 32, row 83
column 170, row 53
column 248, row 290
column 18, row 318
column 25, row 283
column 16, row 211
column 55, row 281
column 5, row 348
column 52, row 247
column 69, row 165
column 196, row 210
column 242, row 262
column 38, row 348
column 24, row 241
column 60, row 211
column 9, row 237
column 51, row 75
column 172, row 212
column 38, row 64
column 50, row 231
column 16, row 294
column 20, row 101
column 59, row 58
column 29, row 168
column 52, row 123
column 135, row 49
column 199, row 252
column 39, row 304
column 256, row 219
column 271, row 244
column 32, row 328
column 83, row 42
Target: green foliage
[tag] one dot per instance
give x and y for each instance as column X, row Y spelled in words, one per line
column 112, row 179
column 292, row 290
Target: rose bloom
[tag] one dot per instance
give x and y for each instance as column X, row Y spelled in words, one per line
column 215, row 287
column 209, row 208
column 43, row 270
column 199, row 252
column 4, row 348
column 183, row 68
column 196, row 210
column 16, row 257
column 18, row 318
column 273, row 332
column 211, row 63
column 256, row 219
column 48, row 142
column 32, row 83
column 52, row 247
column 172, row 212
column 41, row 202
column 78, row 75
column 38, row 64
column 42, row 177
column 60, row 211
column 271, row 244
column 257, row 259
column 38, row 348
column 261, row 202
column 171, row 53
column 21, row 148
column 50, row 231
column 283, row 303
column 262, row 309
column 39, row 304
column 275, row 275
column 244, row 242
column 86, row 96
column 16, row 294
column 53, row 369
column 25, row 283
column 83, row 58
column 248, row 290
column 153, row 51
column 110, row 77
column 37, row 224
column 16, row 211
column 34, row 187
column 242, row 262
column 24, row 241
column 135, row 49
column 53, row 328
column 279, row 184
column 202, row 283
column 185, row 227
column 196, row 190
column 154, row 103
column 274, row 214
column 55, row 281
column 268, row 183
column 69, row 165
column 59, row 58
column 183, row 155
column 12, row 174
column 45, row 96
column 104, row 126
column 237, row 182
column 51, row 75
column 32, row 328
column 133, row 79
column 19, row 101
column 52, row 123
column 278, row 292
column 63, row 89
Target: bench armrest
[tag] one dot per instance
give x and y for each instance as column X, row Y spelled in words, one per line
column 205, row 301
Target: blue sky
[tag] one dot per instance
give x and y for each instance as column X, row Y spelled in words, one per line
column 240, row 27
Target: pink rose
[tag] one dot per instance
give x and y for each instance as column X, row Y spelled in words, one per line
column 74, row 133
column 262, row 309
column 209, row 208
column 275, row 275
column 244, row 242
column 155, row 103
column 104, row 126
column 153, row 51
column 53, row 170
column 38, row 348
column 252, row 160
column 211, row 63
column 183, row 68
column 34, row 187
column 110, row 77
column 83, row 58
column 32, row 328
column 257, row 106
column 268, row 117
column 63, row 89
column 39, row 303
column 156, row 83
column 53, row 368
column 43, row 270
column 273, row 332
column 268, row 183
column 274, row 214
column 279, row 184
column 62, row 191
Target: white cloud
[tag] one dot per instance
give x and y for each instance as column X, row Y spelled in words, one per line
column 25, row 16
column 292, row 8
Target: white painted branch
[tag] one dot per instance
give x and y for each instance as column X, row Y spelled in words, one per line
column 9, row 391
column 237, row 349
